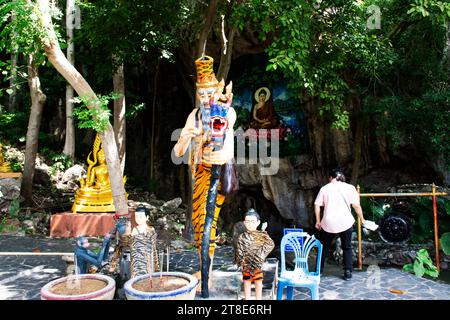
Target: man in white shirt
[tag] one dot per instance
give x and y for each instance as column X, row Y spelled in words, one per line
column 337, row 198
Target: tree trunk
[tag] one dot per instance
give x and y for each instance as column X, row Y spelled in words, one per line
column 34, row 123
column 68, row 71
column 210, row 18
column 152, row 141
column 119, row 114
column 359, row 136
column 69, row 145
column 12, row 106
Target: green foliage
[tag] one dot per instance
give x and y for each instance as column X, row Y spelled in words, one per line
column 14, row 208
column 13, row 126
column 6, row 227
column 61, row 162
column 419, row 210
column 21, row 28
column 15, row 158
column 438, row 10
column 327, row 50
column 319, row 46
column 380, row 209
column 242, row 117
column 131, row 31
column 445, row 243
column 423, row 265
column 133, row 110
column 16, row 166
column 422, row 216
column 420, row 120
column 96, row 117
column 447, row 206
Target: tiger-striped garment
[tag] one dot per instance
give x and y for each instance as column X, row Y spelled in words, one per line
column 254, row 275
column 200, row 194
column 252, row 249
column 143, row 246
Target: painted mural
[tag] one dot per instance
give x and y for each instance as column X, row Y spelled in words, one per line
column 263, row 101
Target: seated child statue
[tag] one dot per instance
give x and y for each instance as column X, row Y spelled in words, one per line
column 84, row 256
column 144, row 255
column 253, row 247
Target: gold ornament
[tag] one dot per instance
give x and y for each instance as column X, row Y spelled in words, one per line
column 95, row 193
column 4, row 166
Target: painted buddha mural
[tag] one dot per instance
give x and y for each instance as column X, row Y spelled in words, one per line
column 263, row 111
column 94, row 194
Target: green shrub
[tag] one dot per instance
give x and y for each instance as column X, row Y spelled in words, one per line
column 13, row 126
column 445, row 243
column 61, row 162
column 14, row 208
column 422, row 265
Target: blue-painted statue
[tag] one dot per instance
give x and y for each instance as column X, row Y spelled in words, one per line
column 84, row 256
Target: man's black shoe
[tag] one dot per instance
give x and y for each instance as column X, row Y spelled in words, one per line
column 347, row 275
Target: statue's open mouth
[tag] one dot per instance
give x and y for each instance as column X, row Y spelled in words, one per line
column 218, row 126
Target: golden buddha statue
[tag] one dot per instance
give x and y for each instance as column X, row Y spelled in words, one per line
column 4, row 166
column 94, row 194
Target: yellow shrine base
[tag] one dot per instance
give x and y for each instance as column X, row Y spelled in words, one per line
column 93, row 202
column 90, row 224
column 5, row 175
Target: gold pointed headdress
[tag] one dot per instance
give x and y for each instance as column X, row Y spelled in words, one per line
column 205, row 72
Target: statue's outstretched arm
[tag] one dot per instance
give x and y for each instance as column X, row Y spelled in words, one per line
column 189, row 131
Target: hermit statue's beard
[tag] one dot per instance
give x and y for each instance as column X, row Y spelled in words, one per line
column 205, row 112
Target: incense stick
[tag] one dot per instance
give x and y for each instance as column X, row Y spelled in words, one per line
column 162, row 266
column 168, row 255
column 152, row 270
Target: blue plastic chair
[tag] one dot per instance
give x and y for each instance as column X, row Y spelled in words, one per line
column 301, row 243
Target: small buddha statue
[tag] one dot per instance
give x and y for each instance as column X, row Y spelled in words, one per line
column 94, row 194
column 4, row 166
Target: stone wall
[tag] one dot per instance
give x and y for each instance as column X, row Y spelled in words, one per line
column 292, row 189
column 384, row 254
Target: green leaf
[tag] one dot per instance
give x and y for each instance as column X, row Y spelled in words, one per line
column 377, row 210
column 411, row 10
column 426, row 222
column 9, row 91
column 424, row 257
column 408, row 267
column 418, row 268
column 432, row 273
column 447, row 206
column 445, row 243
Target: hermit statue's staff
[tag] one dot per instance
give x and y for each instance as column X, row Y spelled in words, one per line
column 211, row 127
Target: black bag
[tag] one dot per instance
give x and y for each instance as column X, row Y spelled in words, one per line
column 229, row 178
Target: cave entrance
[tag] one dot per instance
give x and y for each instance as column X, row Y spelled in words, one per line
column 236, row 205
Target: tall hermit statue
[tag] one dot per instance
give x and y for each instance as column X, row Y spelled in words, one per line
column 210, row 126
